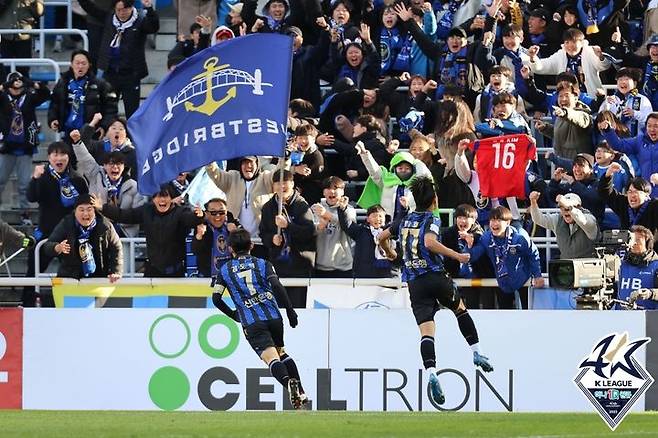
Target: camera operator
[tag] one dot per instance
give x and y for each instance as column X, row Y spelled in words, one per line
column 574, row 227
column 634, row 208
column 639, row 270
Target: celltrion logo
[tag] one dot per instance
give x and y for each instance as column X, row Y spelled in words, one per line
column 11, row 358
column 612, row 379
column 170, row 337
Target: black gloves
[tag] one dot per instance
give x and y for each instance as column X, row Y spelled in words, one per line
column 292, row 317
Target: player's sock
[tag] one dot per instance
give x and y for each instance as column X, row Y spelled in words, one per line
column 427, row 352
column 279, row 372
column 467, row 327
column 293, row 372
column 476, row 348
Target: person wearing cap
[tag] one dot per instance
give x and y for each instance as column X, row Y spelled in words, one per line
column 166, row 226
column 582, row 181
column 86, row 244
column 644, row 146
column 290, row 236
column 210, row 243
column 537, row 32
column 572, row 130
column 78, row 95
column 631, row 107
column 108, row 181
column 576, row 56
column 19, row 130
column 457, row 61
column 575, row 228
column 247, row 190
column 650, row 87
column 122, row 58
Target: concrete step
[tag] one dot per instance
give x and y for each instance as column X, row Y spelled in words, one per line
column 168, row 26
column 164, row 43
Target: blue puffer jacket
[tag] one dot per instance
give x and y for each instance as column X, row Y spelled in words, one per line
column 521, row 260
column 642, row 147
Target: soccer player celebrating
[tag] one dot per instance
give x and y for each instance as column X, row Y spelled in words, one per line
column 429, row 283
column 256, row 291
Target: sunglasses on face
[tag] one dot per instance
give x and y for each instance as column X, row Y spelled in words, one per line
column 216, row 212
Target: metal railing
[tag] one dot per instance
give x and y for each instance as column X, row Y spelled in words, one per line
column 13, row 62
column 42, row 35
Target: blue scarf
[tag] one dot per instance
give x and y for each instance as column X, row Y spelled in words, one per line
column 220, row 249
column 16, row 129
column 399, row 209
column 651, row 81
column 449, row 15
column 275, row 25
column 591, row 16
column 76, row 116
column 631, row 100
column 389, row 46
column 346, row 71
column 67, row 191
column 85, row 248
column 575, row 66
column 537, row 39
column 515, row 57
column 634, row 217
column 113, row 189
column 403, row 59
column 452, row 70
column 500, row 251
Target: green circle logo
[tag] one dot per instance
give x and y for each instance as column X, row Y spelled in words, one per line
column 234, row 331
column 169, row 388
column 188, row 336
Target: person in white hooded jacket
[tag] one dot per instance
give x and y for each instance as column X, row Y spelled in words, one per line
column 577, row 56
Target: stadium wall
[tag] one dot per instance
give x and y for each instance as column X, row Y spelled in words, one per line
column 196, row 359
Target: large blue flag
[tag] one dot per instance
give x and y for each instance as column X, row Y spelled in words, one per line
column 226, row 101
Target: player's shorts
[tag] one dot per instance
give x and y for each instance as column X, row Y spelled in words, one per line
column 428, row 290
column 264, row 334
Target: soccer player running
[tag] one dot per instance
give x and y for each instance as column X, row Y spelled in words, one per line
column 429, row 283
column 256, row 291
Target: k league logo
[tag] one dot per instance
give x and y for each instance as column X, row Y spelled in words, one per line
column 612, row 379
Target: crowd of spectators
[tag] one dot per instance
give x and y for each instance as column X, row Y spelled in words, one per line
column 446, row 72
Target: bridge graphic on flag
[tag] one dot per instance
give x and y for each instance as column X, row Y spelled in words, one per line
column 214, row 77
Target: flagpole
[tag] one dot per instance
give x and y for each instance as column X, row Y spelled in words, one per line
column 278, row 229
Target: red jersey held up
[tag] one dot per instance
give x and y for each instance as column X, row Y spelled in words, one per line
column 501, row 164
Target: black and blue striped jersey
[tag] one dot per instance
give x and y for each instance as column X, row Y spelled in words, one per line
column 247, row 280
column 417, row 259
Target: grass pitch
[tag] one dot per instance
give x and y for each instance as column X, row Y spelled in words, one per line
column 71, row 424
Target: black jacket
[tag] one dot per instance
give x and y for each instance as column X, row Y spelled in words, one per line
column 310, row 186
column 202, row 249
column 97, row 149
column 364, row 264
column 165, row 235
column 45, row 191
column 479, row 60
column 33, row 98
column 99, row 98
column 482, row 268
column 301, row 232
column 106, row 247
column 132, row 59
column 306, row 64
column 352, row 160
column 619, row 204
